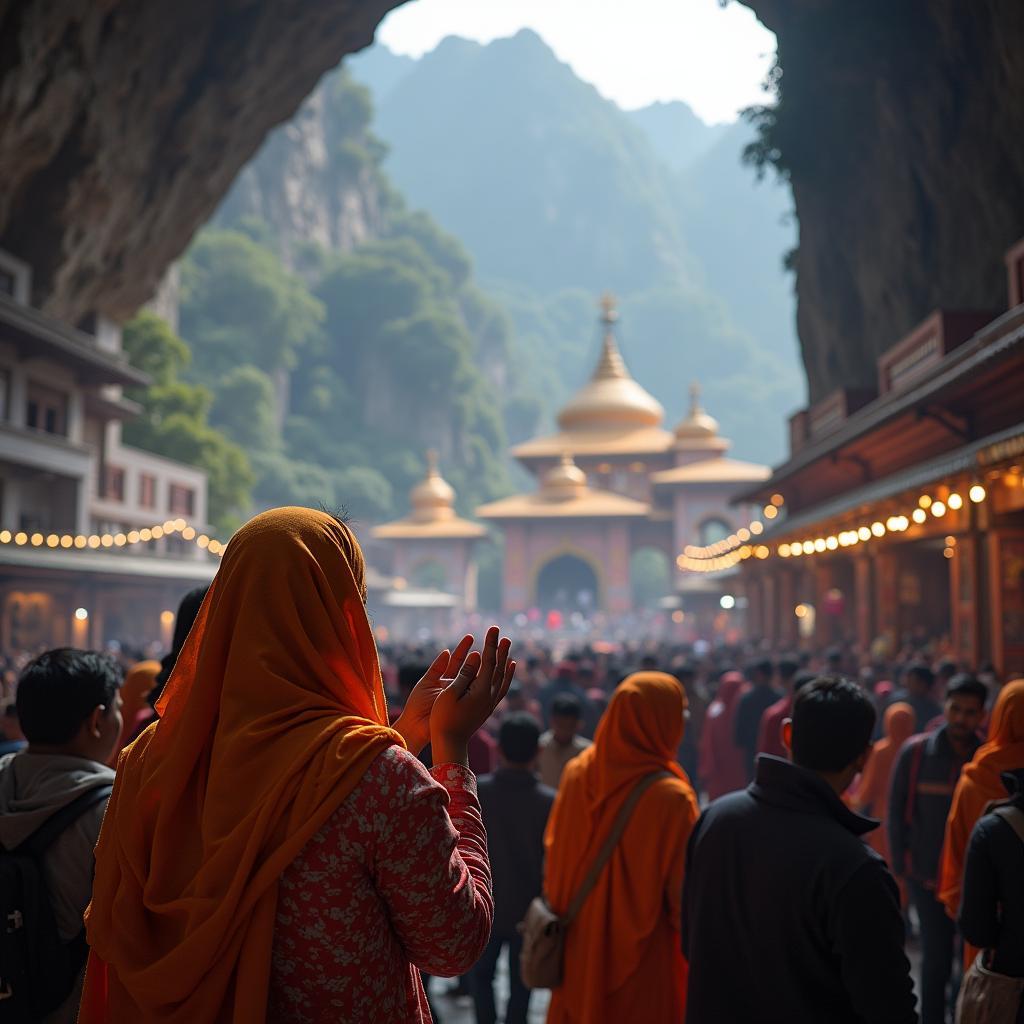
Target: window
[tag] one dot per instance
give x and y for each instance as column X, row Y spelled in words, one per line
column 46, row 410
column 147, row 490
column 8, row 282
column 113, row 483
column 182, row 500
column 714, row 530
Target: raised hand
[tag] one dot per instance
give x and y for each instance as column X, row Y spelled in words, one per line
column 464, row 705
column 414, row 721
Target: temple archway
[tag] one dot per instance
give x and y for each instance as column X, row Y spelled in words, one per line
column 568, row 583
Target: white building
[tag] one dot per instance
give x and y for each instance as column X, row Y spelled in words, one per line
column 98, row 540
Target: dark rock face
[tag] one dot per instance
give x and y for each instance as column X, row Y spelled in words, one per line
column 124, row 122
column 902, row 128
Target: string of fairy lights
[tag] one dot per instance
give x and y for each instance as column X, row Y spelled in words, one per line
column 742, row 544
column 129, row 538
column 745, row 543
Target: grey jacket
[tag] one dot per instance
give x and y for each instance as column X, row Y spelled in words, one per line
column 32, row 787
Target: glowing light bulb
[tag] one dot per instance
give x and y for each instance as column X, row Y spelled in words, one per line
column 938, row 509
column 864, row 532
column 976, row 494
column 954, row 501
column 756, row 527
column 878, row 529
column 919, row 515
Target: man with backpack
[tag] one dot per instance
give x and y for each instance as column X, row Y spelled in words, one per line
column 52, row 798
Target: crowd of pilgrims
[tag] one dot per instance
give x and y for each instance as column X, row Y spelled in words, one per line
column 302, row 828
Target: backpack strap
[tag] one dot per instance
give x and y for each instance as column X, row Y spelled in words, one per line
column 44, row 836
column 610, row 843
column 1014, row 817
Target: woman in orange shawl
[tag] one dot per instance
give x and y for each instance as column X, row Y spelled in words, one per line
column 623, row 960
column 979, row 785
column 272, row 718
column 872, row 793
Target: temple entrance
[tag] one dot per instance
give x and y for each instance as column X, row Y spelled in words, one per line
column 569, row 584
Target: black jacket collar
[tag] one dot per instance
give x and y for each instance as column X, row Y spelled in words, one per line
column 787, row 785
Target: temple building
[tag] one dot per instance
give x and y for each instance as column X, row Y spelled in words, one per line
column 430, row 556
column 98, row 539
column 612, row 482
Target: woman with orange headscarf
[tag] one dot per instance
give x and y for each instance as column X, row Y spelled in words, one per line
column 979, row 785
column 138, row 681
column 272, row 850
column 623, row 960
column 872, row 792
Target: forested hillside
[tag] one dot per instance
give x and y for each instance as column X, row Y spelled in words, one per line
column 558, row 194
column 334, row 334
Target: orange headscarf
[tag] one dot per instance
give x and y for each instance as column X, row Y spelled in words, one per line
column 271, row 716
column 873, row 790
column 638, row 734
column 138, row 681
column 979, row 785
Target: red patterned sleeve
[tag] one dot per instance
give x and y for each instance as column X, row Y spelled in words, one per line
column 431, row 868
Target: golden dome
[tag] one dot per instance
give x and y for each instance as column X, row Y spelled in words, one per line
column 433, row 497
column 698, row 425
column 564, row 481
column 611, row 399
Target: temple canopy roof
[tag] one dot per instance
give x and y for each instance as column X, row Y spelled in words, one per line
column 564, row 494
column 712, row 471
column 433, row 512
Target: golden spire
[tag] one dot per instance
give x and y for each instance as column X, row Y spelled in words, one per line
column 695, row 409
column 564, row 480
column 612, row 399
column 433, row 497
column 698, row 425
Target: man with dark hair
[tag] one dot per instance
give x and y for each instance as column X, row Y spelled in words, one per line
column 779, row 881
column 918, row 691
column 562, row 742
column 920, row 797
column 70, row 711
column 515, row 807
column 769, row 736
column 752, row 705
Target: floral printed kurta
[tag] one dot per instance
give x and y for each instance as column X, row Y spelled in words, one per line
column 397, row 881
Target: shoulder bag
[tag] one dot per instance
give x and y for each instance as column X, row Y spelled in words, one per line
column 985, row 996
column 543, row 931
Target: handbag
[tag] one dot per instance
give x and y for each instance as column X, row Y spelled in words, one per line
column 985, row 996
column 543, row 931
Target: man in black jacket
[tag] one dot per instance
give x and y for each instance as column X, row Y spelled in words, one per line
column 788, row 916
column 515, row 807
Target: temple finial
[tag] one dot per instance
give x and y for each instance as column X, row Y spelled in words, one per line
column 431, row 462
column 609, row 312
column 695, row 398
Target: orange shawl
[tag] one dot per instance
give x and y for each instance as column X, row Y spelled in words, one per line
column 873, row 791
column 139, row 680
column 272, row 714
column 979, row 785
column 626, row 936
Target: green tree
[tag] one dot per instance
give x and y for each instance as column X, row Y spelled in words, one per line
column 240, row 306
column 243, row 407
column 174, row 422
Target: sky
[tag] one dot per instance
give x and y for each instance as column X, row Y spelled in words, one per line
column 635, row 52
